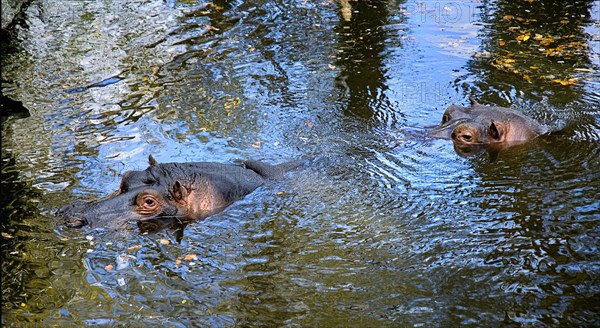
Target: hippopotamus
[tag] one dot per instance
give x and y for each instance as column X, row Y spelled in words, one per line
column 486, row 125
column 168, row 193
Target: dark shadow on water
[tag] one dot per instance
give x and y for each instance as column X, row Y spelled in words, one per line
column 24, row 267
column 362, row 51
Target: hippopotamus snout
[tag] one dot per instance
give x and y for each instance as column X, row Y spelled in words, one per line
column 114, row 209
column 73, row 214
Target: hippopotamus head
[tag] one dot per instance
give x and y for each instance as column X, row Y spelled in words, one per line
column 152, row 207
column 162, row 195
column 482, row 125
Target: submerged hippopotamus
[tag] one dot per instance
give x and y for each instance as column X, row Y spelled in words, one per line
column 495, row 126
column 169, row 193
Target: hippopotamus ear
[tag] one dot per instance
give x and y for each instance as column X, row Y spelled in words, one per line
column 151, row 160
column 497, row 131
column 473, row 101
column 178, row 191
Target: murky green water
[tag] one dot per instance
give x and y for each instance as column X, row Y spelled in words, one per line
column 385, row 227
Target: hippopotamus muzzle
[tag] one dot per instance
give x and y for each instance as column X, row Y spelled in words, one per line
column 118, row 209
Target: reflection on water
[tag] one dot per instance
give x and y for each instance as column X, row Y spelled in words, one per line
column 386, row 227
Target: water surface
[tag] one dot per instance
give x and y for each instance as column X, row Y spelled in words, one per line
column 385, row 227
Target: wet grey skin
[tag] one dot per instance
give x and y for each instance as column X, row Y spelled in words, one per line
column 169, row 193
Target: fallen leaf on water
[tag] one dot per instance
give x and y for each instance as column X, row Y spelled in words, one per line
column 135, row 248
column 211, row 28
column 177, row 262
column 257, row 144
column 332, row 67
column 191, row 257
column 232, row 103
column 501, row 42
column 309, row 124
column 7, row 235
column 527, row 78
column 570, row 81
column 165, row 241
column 108, row 267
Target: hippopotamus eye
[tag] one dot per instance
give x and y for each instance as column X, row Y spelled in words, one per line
column 147, row 204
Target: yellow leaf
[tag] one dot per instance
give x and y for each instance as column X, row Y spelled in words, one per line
column 177, row 262
column 501, row 42
column 526, row 78
column 165, row 241
column 108, row 267
column 135, row 248
column 508, row 17
column 564, row 21
column 191, row 257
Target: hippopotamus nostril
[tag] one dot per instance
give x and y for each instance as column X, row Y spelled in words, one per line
column 72, row 215
column 76, row 223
